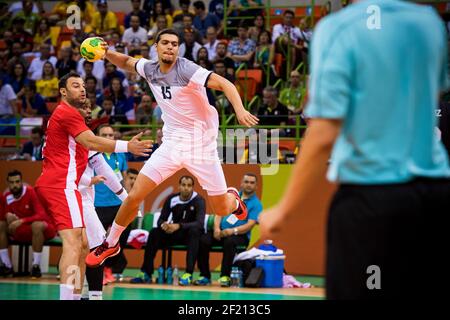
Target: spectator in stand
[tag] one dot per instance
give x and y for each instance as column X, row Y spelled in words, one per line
column 91, row 86
column 221, row 54
column 202, row 53
column 122, row 104
column 31, row 18
column 112, row 72
column 33, row 104
column 149, row 6
column 23, row 219
column 189, row 48
column 144, row 17
column 87, row 11
column 249, row 7
column 8, row 99
column 188, row 24
column 135, row 34
column 5, row 17
column 107, row 108
column 203, row 20
column 293, row 95
column 161, row 23
column 216, row 7
column 47, row 85
column 94, row 105
column 221, row 100
column 211, row 42
column 273, row 112
column 104, row 22
column 159, row 10
column 42, row 34
column 78, row 37
column 19, row 34
column 16, row 56
column 59, row 11
column 66, row 63
column 242, row 49
column 97, row 69
column 144, row 112
column 179, row 14
column 259, row 25
column 32, row 150
column 221, row 69
column 264, row 55
column 286, row 36
column 36, row 66
column 18, row 79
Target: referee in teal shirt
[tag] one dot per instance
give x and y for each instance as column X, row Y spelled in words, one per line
column 377, row 69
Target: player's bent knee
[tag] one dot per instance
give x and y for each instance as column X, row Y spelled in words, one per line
column 37, row 227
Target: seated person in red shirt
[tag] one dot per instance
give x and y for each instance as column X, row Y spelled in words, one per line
column 23, row 218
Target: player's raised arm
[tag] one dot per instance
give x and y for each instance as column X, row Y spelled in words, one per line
column 244, row 117
column 135, row 146
column 120, row 60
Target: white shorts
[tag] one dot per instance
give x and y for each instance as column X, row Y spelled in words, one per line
column 205, row 166
column 94, row 229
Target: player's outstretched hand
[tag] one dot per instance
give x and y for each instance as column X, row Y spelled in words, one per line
column 138, row 147
column 247, row 119
column 104, row 45
column 270, row 222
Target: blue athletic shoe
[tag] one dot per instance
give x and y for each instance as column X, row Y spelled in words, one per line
column 185, row 280
column 142, row 277
column 202, row 281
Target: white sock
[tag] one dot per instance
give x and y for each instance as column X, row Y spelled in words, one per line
column 114, row 234
column 76, row 296
column 66, row 292
column 4, row 256
column 95, row 295
column 37, row 258
column 85, row 291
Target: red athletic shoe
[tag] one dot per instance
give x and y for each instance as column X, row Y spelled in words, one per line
column 108, row 276
column 101, row 253
column 241, row 212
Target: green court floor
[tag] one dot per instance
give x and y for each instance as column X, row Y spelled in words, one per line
column 48, row 289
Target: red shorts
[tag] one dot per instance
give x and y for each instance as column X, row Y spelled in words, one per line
column 63, row 205
column 24, row 233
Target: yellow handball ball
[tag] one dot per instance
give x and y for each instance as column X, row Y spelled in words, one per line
column 92, row 50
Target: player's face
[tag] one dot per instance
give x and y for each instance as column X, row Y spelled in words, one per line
column 75, row 93
column 15, row 185
column 131, row 179
column 86, row 112
column 107, row 132
column 167, row 48
column 248, row 184
column 186, row 187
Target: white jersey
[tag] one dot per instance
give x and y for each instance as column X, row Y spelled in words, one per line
column 181, row 94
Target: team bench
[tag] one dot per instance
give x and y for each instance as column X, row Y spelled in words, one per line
column 147, row 223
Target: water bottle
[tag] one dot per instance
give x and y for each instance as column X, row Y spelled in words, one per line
column 169, row 275
column 234, row 278
column 160, row 274
column 175, row 276
column 241, row 278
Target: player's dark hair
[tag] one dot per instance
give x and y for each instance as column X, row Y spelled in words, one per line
column 166, row 31
column 63, row 81
column 186, row 177
column 249, row 174
column 38, row 130
column 91, row 78
column 14, row 173
column 132, row 171
column 289, row 12
column 199, row 5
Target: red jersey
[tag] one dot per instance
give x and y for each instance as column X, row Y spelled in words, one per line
column 27, row 207
column 64, row 159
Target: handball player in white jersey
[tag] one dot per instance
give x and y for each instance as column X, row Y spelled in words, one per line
column 190, row 131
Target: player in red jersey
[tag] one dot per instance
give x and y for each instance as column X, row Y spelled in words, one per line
column 65, row 153
column 23, row 219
